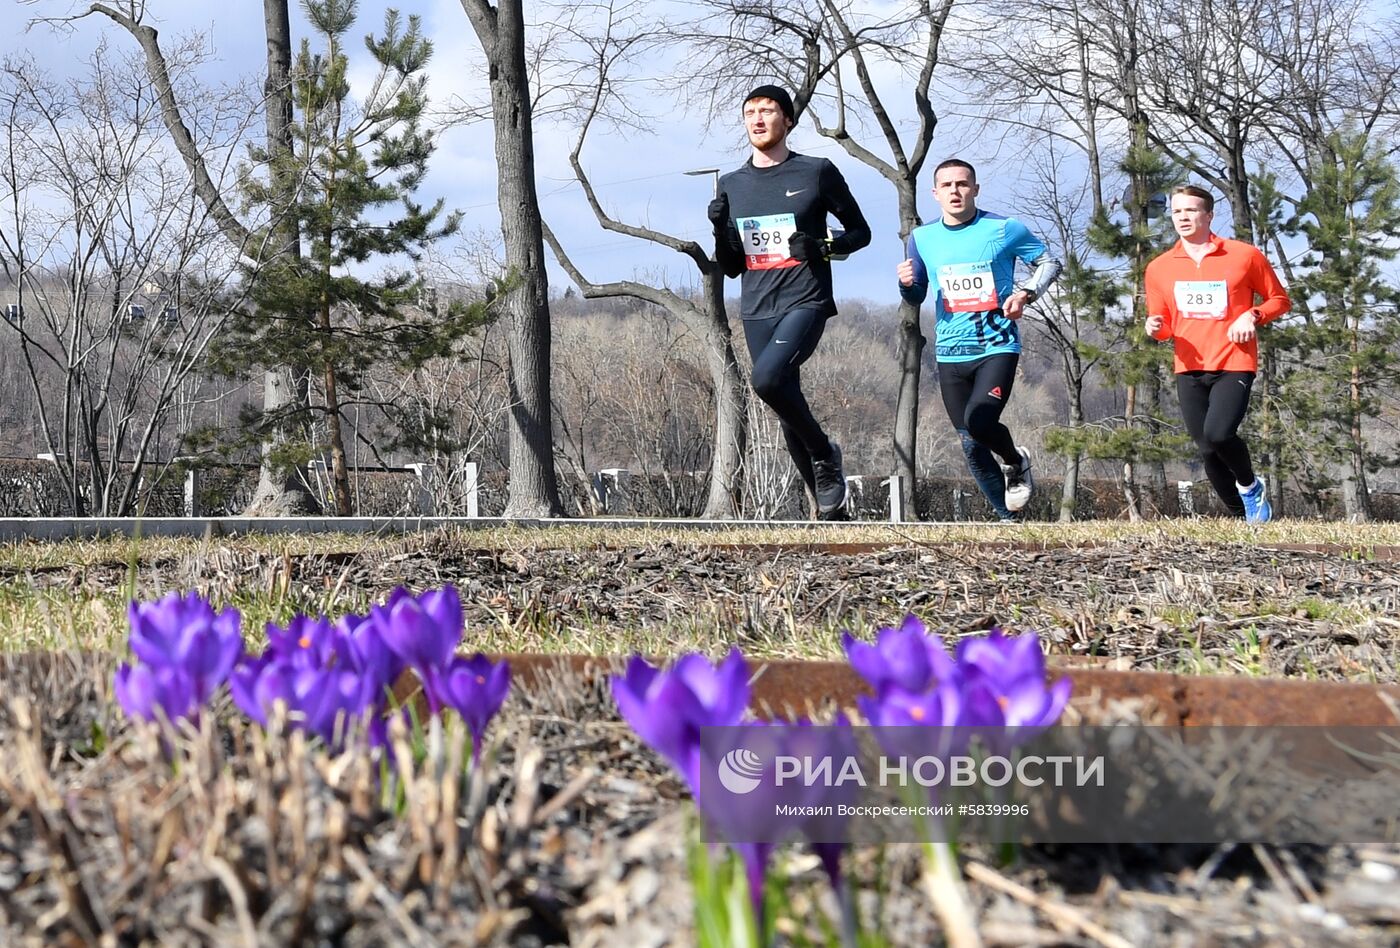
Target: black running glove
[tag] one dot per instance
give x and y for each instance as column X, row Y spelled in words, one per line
column 806, row 247
column 718, row 213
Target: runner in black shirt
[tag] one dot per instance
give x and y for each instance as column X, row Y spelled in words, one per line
column 770, row 222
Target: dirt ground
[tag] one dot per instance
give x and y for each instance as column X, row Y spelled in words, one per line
column 575, row 834
column 1150, row 603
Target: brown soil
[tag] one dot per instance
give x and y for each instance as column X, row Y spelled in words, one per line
column 1168, row 605
column 573, row 833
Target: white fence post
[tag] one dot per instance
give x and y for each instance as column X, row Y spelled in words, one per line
column 959, row 504
column 618, row 485
column 192, row 493
column 1185, row 499
column 896, row 485
column 472, row 490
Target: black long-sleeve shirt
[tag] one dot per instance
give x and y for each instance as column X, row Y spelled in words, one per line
column 767, row 206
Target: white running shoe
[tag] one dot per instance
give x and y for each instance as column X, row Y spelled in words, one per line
column 1019, row 483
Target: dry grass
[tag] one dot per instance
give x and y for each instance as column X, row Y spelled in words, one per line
column 582, row 534
column 1187, row 596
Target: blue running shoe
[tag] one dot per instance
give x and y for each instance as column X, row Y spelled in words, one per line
column 1257, row 508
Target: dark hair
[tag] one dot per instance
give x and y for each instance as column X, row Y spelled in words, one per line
column 1194, row 191
column 779, row 95
column 956, row 163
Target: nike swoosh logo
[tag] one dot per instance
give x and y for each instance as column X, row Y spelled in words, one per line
column 780, row 342
column 798, row 191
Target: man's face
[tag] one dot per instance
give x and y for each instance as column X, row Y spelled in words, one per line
column 1190, row 217
column 765, row 122
column 956, row 192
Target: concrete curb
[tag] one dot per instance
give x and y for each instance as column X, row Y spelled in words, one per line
column 87, row 528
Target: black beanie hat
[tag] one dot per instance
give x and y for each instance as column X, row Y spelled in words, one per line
column 778, row 94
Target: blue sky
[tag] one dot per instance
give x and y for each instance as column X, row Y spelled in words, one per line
column 639, row 176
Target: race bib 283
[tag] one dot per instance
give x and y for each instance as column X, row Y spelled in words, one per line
column 1201, row 299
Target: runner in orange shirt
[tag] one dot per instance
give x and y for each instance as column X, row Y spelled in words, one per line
column 1202, row 295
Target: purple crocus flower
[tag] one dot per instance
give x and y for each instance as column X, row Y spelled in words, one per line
column 184, row 633
column 316, row 669
column 140, row 689
column 422, row 630
column 757, row 819
column 258, row 681
column 474, row 687
column 380, row 664
column 306, row 642
column 917, row 687
column 917, row 724
column 907, row 657
column 939, row 706
column 1003, row 683
column 668, row 708
column 184, row 653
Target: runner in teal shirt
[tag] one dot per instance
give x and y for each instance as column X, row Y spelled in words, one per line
column 974, row 265
column 970, row 255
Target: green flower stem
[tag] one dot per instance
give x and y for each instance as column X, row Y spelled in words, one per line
column 944, row 884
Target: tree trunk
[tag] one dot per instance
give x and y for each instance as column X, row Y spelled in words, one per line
column 725, row 499
column 909, row 355
column 1269, row 455
column 340, row 471
column 1355, row 494
column 1069, row 491
column 281, row 490
column 1154, row 473
column 1142, row 252
column 906, row 413
column 1130, row 492
column 534, row 490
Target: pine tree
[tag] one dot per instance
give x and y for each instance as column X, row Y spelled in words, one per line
column 1350, row 216
column 1273, row 418
column 355, row 169
column 1131, row 359
column 1079, row 325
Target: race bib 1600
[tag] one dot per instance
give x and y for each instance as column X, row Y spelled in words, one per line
column 968, row 287
column 1201, row 299
column 766, row 241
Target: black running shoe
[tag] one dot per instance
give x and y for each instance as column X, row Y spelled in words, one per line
column 831, row 483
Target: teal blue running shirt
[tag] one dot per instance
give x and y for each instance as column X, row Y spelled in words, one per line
column 973, row 266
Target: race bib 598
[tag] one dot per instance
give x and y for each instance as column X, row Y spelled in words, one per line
column 1201, row 299
column 968, row 287
column 766, row 241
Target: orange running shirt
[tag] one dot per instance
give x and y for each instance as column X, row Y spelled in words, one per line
column 1200, row 301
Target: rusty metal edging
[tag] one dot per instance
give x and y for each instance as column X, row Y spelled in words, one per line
column 785, row 688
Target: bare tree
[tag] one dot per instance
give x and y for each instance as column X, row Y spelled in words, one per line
column 1085, row 79
column 534, row 489
column 281, row 490
column 120, row 273
column 600, row 93
column 1070, row 317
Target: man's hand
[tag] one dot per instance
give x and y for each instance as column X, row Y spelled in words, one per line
column 1242, row 329
column 1016, row 304
column 1155, row 324
column 906, row 272
column 805, row 247
column 718, row 213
